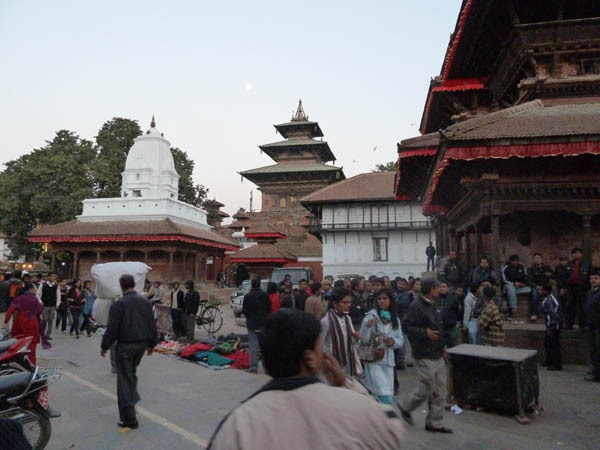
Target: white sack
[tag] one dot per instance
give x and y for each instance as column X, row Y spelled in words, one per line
column 106, row 277
column 101, row 310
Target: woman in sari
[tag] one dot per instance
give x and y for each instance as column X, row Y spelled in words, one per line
column 339, row 336
column 26, row 311
column 384, row 320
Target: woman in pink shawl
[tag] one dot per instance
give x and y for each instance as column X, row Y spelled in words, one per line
column 26, row 311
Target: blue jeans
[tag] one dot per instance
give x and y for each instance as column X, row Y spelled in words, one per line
column 75, row 325
column 512, row 292
column 253, row 347
column 474, row 333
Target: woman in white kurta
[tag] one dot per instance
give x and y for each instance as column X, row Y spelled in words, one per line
column 383, row 318
column 339, row 336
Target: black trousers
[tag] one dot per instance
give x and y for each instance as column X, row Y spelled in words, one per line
column 552, row 347
column 594, row 344
column 129, row 356
column 576, row 297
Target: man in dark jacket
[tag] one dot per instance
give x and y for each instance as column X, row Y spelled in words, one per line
column 191, row 303
column 425, row 327
column 483, row 272
column 131, row 325
column 430, row 252
column 301, row 295
column 448, row 304
column 592, row 310
column 516, row 282
column 177, row 303
column 561, row 277
column 454, row 272
column 256, row 308
column 578, row 272
column 539, row 275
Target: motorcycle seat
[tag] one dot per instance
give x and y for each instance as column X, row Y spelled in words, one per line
column 5, row 345
column 14, row 381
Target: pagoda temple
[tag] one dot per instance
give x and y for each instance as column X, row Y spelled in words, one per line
column 510, row 148
column 147, row 223
column 300, row 164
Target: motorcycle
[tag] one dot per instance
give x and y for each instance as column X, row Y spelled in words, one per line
column 24, row 398
column 13, row 356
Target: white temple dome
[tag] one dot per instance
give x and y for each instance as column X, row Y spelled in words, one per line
column 150, row 169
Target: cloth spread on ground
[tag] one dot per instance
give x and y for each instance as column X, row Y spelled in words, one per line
column 191, row 349
column 172, row 347
column 211, row 356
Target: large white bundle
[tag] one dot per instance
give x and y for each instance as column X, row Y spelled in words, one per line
column 101, row 310
column 106, row 277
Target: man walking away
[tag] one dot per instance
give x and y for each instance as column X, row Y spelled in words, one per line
column 177, row 305
column 430, row 252
column 424, row 326
column 592, row 310
column 490, row 320
column 448, row 304
column 554, row 323
column 256, row 308
column 49, row 294
column 191, row 304
column 301, row 295
column 131, row 325
column 577, row 286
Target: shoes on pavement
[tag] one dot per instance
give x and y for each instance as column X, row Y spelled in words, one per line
column 410, row 364
column 49, row 338
column 77, row 337
column 592, row 379
column 89, row 334
column 133, row 425
column 438, row 429
column 406, row 416
column 70, row 333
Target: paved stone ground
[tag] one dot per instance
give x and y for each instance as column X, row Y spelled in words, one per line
column 182, row 403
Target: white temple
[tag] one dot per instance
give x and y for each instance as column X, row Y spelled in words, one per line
column 149, row 190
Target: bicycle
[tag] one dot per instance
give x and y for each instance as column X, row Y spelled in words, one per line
column 210, row 317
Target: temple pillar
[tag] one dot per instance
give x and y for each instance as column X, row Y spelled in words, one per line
column 453, row 240
column 587, row 238
column 97, row 257
column 468, row 256
column 495, row 242
column 146, row 256
column 53, row 261
column 75, row 264
column 170, row 267
column 479, row 244
column 121, row 255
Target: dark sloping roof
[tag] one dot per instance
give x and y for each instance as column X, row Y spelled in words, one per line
column 241, row 215
column 430, row 140
column 295, row 142
column 222, row 214
column 115, row 229
column 263, row 252
column 363, row 187
column 530, row 120
column 293, row 167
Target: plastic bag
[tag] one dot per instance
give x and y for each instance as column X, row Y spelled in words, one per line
column 106, row 277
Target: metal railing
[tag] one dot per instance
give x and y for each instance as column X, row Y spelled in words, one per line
column 316, row 225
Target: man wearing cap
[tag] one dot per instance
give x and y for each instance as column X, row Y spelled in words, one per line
column 424, row 327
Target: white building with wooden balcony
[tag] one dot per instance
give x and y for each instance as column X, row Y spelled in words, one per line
column 366, row 231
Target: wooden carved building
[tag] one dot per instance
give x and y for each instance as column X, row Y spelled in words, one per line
column 509, row 157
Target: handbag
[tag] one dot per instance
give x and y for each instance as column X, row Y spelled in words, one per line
column 373, row 350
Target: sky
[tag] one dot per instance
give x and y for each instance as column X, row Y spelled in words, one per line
column 218, row 75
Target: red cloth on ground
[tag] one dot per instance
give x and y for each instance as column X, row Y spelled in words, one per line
column 275, row 305
column 241, row 358
column 193, row 348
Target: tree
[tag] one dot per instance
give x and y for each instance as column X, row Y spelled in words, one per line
column 45, row 186
column 387, row 167
column 114, row 140
column 212, row 208
column 191, row 193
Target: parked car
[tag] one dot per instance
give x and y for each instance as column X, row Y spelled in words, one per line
column 297, row 274
column 237, row 298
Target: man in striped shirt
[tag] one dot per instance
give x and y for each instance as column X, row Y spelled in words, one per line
column 490, row 320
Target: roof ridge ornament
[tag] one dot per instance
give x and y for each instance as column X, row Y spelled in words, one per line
column 153, row 122
column 300, row 115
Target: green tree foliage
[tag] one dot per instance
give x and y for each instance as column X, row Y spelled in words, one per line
column 191, row 193
column 48, row 185
column 114, row 140
column 45, row 186
column 387, row 167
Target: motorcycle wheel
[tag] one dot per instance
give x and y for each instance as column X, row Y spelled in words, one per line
column 38, row 430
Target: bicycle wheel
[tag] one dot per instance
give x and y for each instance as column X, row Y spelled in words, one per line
column 212, row 319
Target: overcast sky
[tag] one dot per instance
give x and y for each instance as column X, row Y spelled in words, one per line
column 219, row 74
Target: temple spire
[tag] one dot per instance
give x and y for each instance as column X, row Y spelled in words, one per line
column 153, row 123
column 300, row 115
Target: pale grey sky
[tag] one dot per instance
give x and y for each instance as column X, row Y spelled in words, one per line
column 217, row 75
